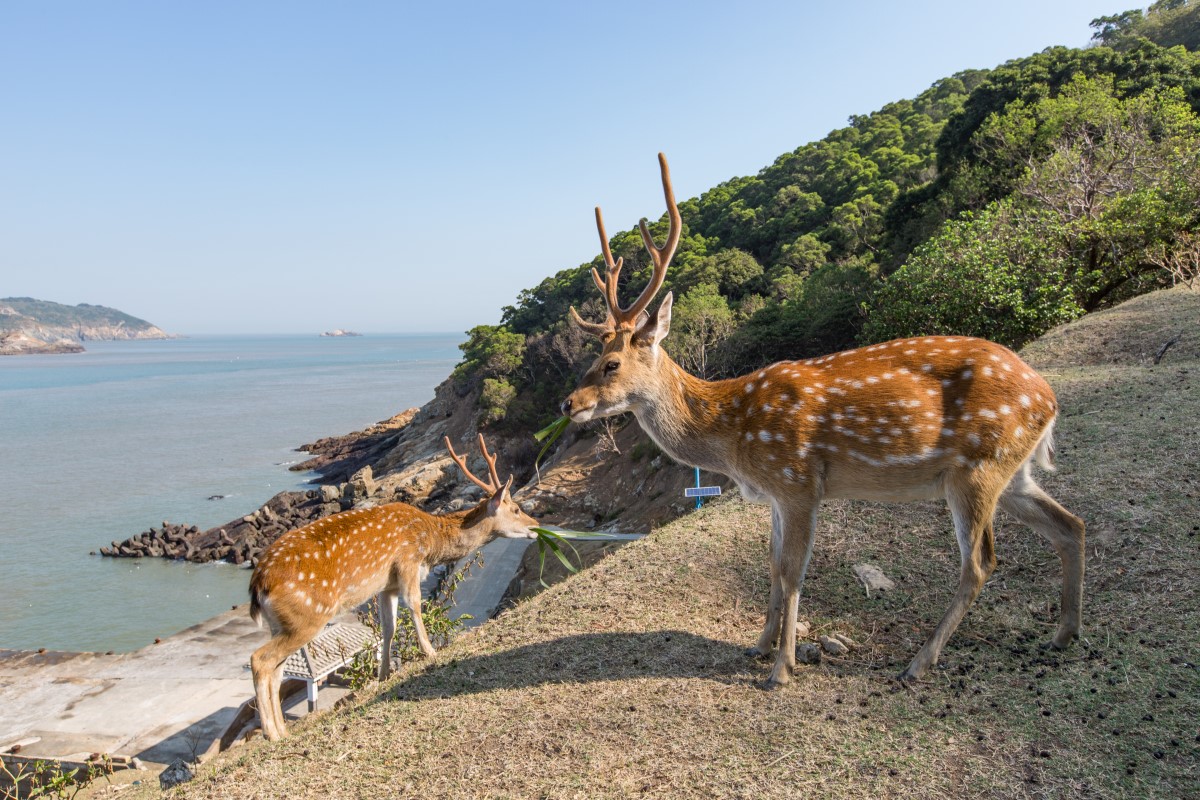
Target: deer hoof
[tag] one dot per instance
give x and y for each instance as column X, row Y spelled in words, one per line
column 1061, row 641
column 755, row 653
column 770, row 685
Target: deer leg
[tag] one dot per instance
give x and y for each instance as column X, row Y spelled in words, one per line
column 266, row 666
column 412, row 600
column 388, row 601
column 1027, row 501
column 972, row 508
column 797, row 524
column 770, row 633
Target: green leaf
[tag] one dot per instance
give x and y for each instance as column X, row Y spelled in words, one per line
column 552, row 431
column 552, row 541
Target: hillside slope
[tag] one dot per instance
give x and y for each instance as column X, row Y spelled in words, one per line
column 629, row 679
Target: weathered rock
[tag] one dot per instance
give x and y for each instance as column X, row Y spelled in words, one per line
column 872, row 578
column 808, row 653
column 177, row 773
column 833, row 646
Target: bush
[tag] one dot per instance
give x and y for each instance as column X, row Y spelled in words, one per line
column 993, row 275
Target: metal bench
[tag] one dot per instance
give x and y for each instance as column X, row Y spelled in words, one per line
column 332, row 649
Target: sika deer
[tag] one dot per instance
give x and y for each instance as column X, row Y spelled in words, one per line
column 927, row 417
column 309, row 575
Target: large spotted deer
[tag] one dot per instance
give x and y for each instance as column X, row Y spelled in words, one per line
column 309, row 575
column 926, row 417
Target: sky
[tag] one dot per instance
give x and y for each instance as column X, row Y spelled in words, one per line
column 290, row 167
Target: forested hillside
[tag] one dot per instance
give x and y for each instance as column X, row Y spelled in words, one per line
column 996, row 203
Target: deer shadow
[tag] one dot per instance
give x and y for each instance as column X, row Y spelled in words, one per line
column 581, row 658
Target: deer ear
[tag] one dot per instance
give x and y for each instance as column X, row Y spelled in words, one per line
column 499, row 497
column 654, row 329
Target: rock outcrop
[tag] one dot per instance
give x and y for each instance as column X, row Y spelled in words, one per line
column 15, row 343
column 39, row 326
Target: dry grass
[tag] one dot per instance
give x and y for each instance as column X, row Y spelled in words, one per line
column 629, row 680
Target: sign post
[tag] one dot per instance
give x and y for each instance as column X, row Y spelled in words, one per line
column 701, row 492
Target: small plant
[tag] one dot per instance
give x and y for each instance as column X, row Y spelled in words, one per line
column 550, row 434
column 32, row 779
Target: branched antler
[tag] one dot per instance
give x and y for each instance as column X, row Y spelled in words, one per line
column 494, row 480
column 627, row 318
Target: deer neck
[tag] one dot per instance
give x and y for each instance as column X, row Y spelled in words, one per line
column 688, row 417
column 458, row 534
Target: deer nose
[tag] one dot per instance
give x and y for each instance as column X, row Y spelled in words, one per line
column 565, row 408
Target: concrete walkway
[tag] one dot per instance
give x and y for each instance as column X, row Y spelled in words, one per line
column 173, row 699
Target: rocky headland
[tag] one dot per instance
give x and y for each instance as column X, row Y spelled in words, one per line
column 29, row 326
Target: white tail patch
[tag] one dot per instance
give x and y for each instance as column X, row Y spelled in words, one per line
column 1043, row 454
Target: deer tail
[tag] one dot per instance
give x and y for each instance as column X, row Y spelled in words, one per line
column 1043, row 454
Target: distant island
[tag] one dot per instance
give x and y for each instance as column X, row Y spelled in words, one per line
column 29, row 326
column 340, row 332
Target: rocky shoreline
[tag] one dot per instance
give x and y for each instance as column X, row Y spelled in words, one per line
column 621, row 484
column 20, row 343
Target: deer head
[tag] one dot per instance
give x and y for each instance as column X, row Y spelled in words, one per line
column 506, row 518
column 620, row 378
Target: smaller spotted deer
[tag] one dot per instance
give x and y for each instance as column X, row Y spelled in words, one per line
column 311, row 574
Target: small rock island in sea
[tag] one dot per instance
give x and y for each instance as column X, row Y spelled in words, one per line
column 340, row 332
column 29, row 326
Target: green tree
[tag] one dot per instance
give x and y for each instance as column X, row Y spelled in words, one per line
column 996, row 274
column 490, row 351
column 700, row 321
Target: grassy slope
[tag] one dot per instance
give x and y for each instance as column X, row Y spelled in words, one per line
column 629, row 679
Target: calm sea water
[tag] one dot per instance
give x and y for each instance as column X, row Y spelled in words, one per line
column 102, row 445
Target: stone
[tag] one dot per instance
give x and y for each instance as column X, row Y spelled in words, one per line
column 177, row 773
column 844, row 639
column 802, row 630
column 808, row 653
column 329, row 493
column 833, row 646
column 872, row 577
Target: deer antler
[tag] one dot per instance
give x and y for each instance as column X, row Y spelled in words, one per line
column 494, row 483
column 627, row 318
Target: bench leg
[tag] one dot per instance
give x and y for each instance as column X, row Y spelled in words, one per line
column 311, row 686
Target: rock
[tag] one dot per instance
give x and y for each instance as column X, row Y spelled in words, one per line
column 846, row 640
column 833, row 646
column 872, row 577
column 329, row 493
column 808, row 653
column 802, row 630
column 175, row 774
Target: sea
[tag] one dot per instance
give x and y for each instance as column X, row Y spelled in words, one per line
column 101, row 445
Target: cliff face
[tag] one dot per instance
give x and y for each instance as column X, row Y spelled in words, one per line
column 39, row 326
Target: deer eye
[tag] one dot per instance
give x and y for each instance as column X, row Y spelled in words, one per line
column 611, row 366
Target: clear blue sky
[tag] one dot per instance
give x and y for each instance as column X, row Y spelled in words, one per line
column 222, row 167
